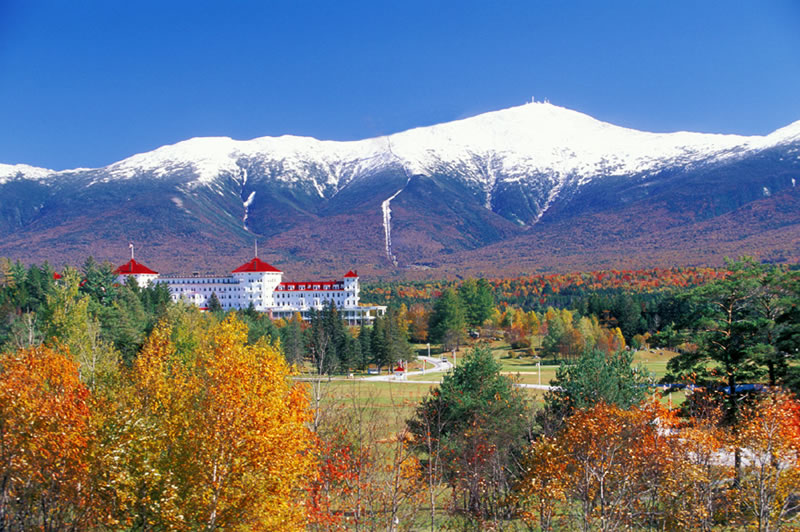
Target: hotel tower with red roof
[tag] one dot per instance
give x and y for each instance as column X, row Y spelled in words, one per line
column 259, row 283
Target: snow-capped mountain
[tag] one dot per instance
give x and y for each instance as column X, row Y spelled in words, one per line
column 408, row 198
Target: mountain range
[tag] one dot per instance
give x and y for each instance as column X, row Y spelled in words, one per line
column 527, row 189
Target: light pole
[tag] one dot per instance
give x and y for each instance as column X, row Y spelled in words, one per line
column 539, row 368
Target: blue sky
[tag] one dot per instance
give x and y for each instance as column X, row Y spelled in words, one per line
column 91, row 82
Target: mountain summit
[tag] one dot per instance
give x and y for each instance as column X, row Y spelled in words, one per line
column 527, row 188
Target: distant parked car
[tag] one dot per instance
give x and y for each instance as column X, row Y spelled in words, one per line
column 474, row 334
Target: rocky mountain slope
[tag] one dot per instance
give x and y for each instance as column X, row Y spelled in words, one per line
column 528, row 188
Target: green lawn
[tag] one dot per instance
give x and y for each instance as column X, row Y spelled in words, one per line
column 517, row 361
column 522, row 368
column 376, row 393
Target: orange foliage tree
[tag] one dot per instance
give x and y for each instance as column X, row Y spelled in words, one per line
column 368, row 476
column 609, row 469
column 769, row 435
column 543, row 488
column 697, row 484
column 611, row 462
column 45, row 443
column 608, row 446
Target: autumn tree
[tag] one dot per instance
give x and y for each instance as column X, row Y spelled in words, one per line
column 612, row 461
column 541, row 493
column 45, row 443
column 695, row 472
column 563, row 340
column 418, row 317
column 369, row 478
column 229, row 432
column 769, row 491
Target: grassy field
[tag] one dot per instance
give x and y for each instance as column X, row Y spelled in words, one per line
column 385, row 406
column 376, row 393
column 513, row 362
column 398, row 399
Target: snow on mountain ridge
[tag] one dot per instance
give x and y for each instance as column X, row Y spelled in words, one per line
column 10, row 171
column 511, row 144
column 547, row 138
column 209, row 157
column 532, row 138
column 786, row 134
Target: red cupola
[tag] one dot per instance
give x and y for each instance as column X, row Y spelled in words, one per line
column 132, row 267
column 256, row 265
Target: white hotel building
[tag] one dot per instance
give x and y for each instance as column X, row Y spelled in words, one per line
column 260, row 284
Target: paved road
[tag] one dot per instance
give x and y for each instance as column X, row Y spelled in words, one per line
column 439, row 366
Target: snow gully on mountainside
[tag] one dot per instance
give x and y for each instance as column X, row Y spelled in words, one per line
column 245, row 202
column 386, row 209
column 552, row 196
column 387, row 225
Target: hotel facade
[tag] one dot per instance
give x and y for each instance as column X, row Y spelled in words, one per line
column 260, row 284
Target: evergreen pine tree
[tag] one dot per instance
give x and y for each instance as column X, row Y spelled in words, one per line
column 365, row 349
column 478, row 301
column 377, row 343
column 447, row 320
column 291, row 336
column 213, row 303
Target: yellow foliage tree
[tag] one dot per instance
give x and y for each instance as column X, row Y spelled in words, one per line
column 543, row 488
column 70, row 324
column 225, row 443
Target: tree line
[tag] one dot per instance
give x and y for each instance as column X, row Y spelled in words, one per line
column 203, row 425
column 637, row 301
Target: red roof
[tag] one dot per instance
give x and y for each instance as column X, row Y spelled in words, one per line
column 256, row 265
column 351, row 273
column 133, row 267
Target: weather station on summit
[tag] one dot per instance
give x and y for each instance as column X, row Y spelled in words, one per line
column 260, row 284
